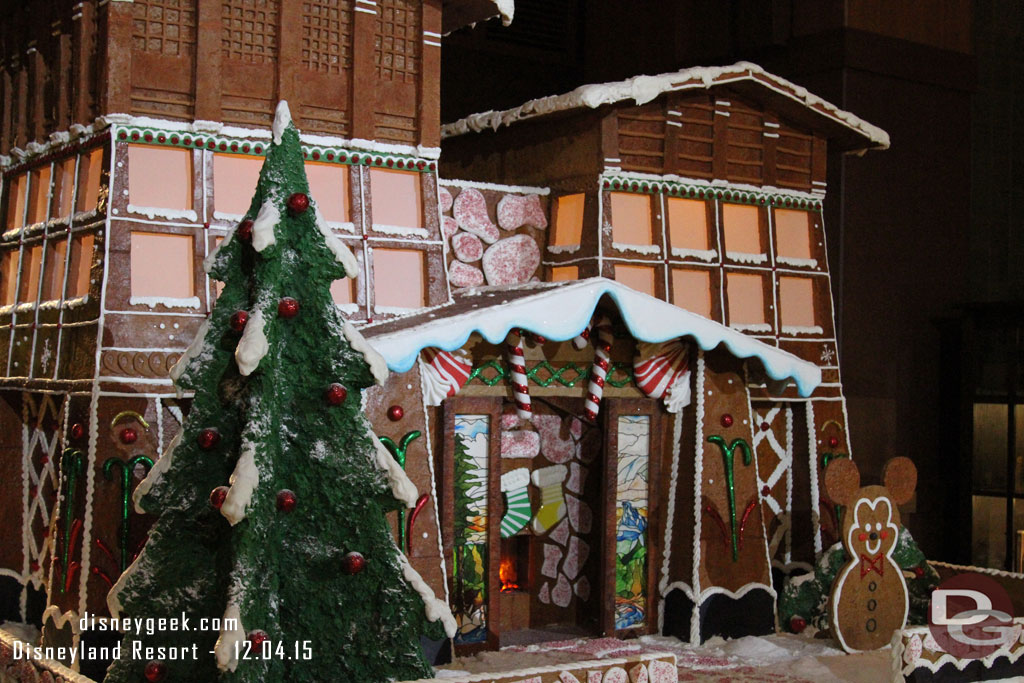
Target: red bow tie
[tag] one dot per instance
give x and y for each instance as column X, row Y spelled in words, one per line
column 871, row 564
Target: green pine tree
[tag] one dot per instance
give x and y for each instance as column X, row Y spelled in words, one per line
column 276, row 419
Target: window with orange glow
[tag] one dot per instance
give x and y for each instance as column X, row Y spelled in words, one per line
column 631, row 219
column 793, row 237
column 399, row 278
column 63, row 188
column 328, row 185
column 53, row 278
column 16, row 201
column 746, row 299
column 160, row 177
column 396, row 198
column 687, row 225
column 38, row 195
column 343, row 291
column 640, row 278
column 90, row 169
column 80, row 268
column 8, row 276
column 691, row 289
column 31, row 269
column 796, row 305
column 565, row 273
column 161, row 265
column 568, row 220
column 234, row 182
column 741, row 226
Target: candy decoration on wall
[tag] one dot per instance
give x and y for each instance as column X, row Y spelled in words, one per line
column 517, row 366
column 599, row 370
column 581, row 340
column 552, row 501
column 444, row 374
column 663, row 371
column 127, row 468
column 517, row 513
column 730, row 482
column 72, row 465
column 421, row 502
column 398, row 452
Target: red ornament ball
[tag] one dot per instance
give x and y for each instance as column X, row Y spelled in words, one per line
column 727, row 420
column 765, row 426
column 286, row 500
column 238, row 320
column 353, row 563
column 129, row 435
column 287, row 307
column 919, row 572
column 155, row 671
column 298, row 203
column 77, row 431
column 257, row 637
column 244, row 230
column 208, row 438
column 395, row 413
column 335, row 394
column 833, row 441
column 218, row 495
column 797, row 624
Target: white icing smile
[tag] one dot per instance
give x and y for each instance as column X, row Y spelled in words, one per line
column 873, row 550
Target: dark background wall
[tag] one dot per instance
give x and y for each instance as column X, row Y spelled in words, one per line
column 916, row 233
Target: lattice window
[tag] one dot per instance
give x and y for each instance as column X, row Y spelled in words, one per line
column 326, row 36
column 250, row 30
column 397, row 46
column 165, row 27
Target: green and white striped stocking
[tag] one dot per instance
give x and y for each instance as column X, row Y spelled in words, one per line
column 513, row 485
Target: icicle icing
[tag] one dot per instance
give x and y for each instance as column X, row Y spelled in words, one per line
column 378, row 367
column 282, row 119
column 263, row 226
column 341, row 253
column 226, row 647
column 156, row 473
column 244, row 480
column 253, row 345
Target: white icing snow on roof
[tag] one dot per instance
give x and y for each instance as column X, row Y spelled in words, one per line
column 560, row 311
column 643, row 89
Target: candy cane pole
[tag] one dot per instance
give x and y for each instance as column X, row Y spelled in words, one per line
column 599, row 370
column 520, row 390
column 582, row 339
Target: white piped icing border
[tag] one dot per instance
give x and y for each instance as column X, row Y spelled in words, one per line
column 901, row 667
column 663, row 585
column 698, row 481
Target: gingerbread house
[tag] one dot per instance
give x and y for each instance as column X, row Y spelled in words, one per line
column 609, row 324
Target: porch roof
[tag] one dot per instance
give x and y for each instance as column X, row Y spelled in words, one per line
column 561, row 310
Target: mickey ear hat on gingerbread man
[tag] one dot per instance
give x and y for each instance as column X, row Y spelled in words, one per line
column 869, row 599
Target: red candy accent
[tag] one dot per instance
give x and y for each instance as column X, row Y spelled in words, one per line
column 727, row 420
column 766, row 490
column 129, row 435
column 244, row 230
column 34, row 566
column 155, row 671
column 286, row 500
column 257, row 637
column 218, row 495
column 298, row 203
column 238, row 320
column 395, row 413
column 797, row 624
column 765, row 426
column 287, row 307
column 833, row 441
column 77, row 431
column 919, row 572
column 353, row 563
column 208, row 438
column 335, row 394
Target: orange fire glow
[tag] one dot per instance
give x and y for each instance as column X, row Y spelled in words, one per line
column 507, row 574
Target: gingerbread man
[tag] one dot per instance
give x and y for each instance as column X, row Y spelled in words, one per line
column 869, row 596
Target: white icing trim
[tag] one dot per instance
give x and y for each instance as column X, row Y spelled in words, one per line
column 211, row 258
column 228, row 217
column 734, row 595
column 378, row 366
column 228, row 642
column 155, row 474
column 751, row 327
column 900, row 668
column 401, row 486
column 562, row 248
column 812, row 453
column 342, row 254
column 800, row 329
column 744, row 257
column 400, row 230
column 515, row 479
column 800, row 262
column 253, row 345
column 643, row 89
column 194, row 349
column 168, row 301
column 282, row 119
column 663, row 583
column 515, row 189
column 242, row 483
column 638, row 248
column 433, row 488
column 393, row 310
column 978, row 570
column 714, row 184
column 435, row 609
column 643, row 659
column 152, row 212
column 707, row 255
column 698, row 481
column 263, row 227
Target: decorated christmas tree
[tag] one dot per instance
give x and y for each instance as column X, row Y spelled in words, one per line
column 272, row 499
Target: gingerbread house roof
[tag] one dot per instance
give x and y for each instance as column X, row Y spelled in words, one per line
column 559, row 311
column 459, row 13
column 849, row 132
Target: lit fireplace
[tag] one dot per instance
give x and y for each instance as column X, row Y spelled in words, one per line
column 515, row 555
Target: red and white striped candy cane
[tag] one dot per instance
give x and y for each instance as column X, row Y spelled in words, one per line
column 582, row 339
column 520, row 390
column 599, row 370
